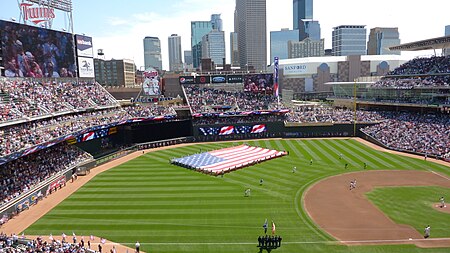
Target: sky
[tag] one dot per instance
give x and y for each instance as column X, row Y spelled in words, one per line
column 119, row 26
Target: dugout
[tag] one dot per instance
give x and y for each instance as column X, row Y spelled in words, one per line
column 85, row 168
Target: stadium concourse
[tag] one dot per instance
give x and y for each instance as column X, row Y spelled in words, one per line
column 37, row 117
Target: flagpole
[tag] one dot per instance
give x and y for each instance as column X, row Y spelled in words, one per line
column 275, row 70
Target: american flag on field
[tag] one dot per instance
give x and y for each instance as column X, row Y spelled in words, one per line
column 227, row 159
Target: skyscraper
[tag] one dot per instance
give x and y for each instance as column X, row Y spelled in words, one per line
column 216, row 22
column 447, row 33
column 198, row 30
column 381, row 38
column 279, row 42
column 175, row 58
column 303, row 9
column 306, row 48
column 213, row 46
column 234, row 51
column 188, row 59
column 152, row 53
column 349, row 40
column 309, row 28
column 250, row 16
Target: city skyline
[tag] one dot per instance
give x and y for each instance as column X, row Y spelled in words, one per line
column 119, row 23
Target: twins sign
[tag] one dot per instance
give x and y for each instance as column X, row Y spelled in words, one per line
column 151, row 85
column 37, row 14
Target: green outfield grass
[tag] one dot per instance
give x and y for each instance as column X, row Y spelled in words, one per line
column 414, row 206
column 172, row 209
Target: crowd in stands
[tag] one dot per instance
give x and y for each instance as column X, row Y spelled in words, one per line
column 16, row 137
column 23, row 99
column 423, row 65
column 326, row 114
column 419, row 72
column 14, row 244
column 19, row 176
column 421, row 133
column 410, row 82
column 204, row 99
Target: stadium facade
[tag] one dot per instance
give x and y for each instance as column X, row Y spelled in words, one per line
column 309, row 75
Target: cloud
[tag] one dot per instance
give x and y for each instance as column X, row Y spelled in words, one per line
column 124, row 39
column 117, row 21
column 146, row 17
column 129, row 44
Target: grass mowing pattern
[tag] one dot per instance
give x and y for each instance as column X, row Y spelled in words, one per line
column 177, row 210
column 413, row 206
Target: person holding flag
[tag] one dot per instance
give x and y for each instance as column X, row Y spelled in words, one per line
column 273, row 228
column 265, row 227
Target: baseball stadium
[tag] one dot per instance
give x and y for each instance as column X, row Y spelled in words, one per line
column 226, row 166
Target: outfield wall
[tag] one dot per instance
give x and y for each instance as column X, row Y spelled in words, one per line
column 279, row 130
column 131, row 134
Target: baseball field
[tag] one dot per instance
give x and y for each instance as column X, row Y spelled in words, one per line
column 172, row 209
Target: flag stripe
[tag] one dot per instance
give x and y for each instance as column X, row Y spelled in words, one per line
column 241, row 158
column 227, row 159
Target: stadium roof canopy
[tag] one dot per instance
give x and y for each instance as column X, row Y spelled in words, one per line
column 435, row 43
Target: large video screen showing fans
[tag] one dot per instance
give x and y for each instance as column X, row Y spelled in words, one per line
column 36, row 52
column 259, row 83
